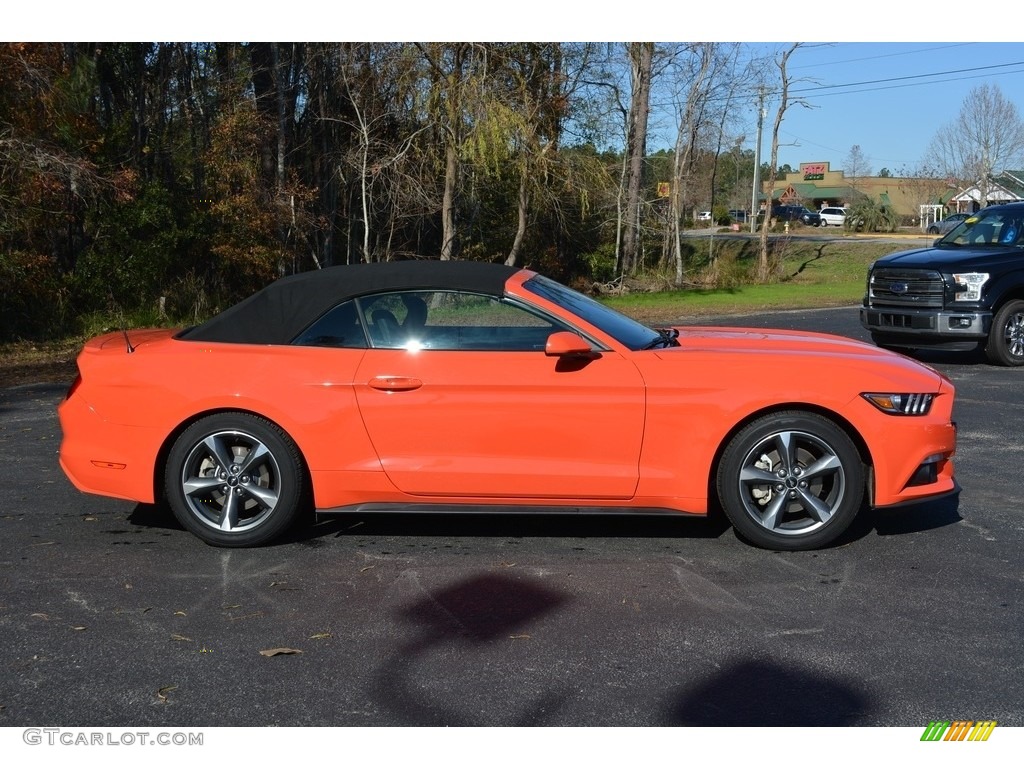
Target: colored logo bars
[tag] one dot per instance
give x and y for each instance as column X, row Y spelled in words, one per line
column 958, row 730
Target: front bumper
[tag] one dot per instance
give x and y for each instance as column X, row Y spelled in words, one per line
column 926, row 323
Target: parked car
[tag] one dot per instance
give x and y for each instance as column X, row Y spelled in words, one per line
column 947, row 224
column 832, row 217
column 704, row 216
column 737, row 215
column 445, row 385
column 965, row 292
column 796, row 213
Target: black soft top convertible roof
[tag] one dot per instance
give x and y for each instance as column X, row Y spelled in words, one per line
column 282, row 310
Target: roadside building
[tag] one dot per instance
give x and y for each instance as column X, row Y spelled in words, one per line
column 816, row 185
column 917, row 201
column 1005, row 187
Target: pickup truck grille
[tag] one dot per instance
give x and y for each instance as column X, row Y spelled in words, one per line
column 905, row 288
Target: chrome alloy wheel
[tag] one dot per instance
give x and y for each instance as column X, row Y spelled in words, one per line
column 1005, row 345
column 231, row 481
column 791, row 482
column 1014, row 334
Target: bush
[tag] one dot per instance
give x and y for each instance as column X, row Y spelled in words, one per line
column 871, row 216
column 33, row 297
column 600, row 264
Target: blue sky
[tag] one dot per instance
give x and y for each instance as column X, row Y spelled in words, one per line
column 888, row 98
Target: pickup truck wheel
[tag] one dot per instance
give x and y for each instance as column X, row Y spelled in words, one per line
column 1005, row 344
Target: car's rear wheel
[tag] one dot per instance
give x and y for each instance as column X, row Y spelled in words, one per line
column 1005, row 345
column 791, row 481
column 235, row 480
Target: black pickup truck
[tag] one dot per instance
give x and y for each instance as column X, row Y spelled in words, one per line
column 967, row 290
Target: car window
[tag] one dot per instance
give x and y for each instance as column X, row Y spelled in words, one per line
column 623, row 329
column 991, row 227
column 338, row 327
column 453, row 320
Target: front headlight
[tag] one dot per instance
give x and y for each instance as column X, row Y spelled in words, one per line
column 971, row 283
column 903, row 404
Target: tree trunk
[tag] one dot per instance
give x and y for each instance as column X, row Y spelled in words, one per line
column 767, row 266
column 641, row 57
column 523, row 208
column 451, row 177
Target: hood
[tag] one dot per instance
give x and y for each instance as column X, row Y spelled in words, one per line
column 772, row 340
column 804, row 354
column 944, row 256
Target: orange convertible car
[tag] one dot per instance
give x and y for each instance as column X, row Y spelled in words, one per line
column 431, row 385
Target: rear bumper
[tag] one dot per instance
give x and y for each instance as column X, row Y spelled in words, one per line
column 106, row 459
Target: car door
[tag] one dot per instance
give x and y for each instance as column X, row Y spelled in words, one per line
column 464, row 402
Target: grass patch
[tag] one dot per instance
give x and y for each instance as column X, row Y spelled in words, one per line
column 813, row 274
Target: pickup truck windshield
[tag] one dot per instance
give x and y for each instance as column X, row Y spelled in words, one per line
column 996, row 228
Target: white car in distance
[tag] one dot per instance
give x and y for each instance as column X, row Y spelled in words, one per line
column 832, row 217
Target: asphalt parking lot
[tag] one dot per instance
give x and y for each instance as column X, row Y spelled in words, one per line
column 112, row 615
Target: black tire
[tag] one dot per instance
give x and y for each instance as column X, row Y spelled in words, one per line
column 791, row 481
column 1005, row 345
column 933, row 230
column 823, row 224
column 235, row 480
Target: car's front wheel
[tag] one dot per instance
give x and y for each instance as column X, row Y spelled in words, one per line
column 235, row 480
column 791, row 481
column 1005, row 345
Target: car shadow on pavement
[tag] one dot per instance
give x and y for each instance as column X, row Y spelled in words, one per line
column 474, row 612
column 473, row 524
column 314, row 530
column 941, row 357
column 757, row 693
column 499, row 524
column 915, row 518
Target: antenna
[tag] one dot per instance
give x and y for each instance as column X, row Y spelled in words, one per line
column 127, row 341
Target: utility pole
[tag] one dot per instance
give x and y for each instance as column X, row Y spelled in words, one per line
column 756, row 194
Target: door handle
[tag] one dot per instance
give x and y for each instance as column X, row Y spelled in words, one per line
column 395, row 383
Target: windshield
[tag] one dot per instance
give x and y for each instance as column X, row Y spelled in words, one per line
column 989, row 227
column 621, row 328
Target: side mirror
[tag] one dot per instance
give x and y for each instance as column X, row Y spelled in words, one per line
column 567, row 344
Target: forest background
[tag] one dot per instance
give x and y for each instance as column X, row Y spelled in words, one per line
column 160, row 182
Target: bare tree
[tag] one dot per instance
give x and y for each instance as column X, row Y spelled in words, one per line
column 709, row 71
column 457, row 71
column 987, row 136
column 765, row 268
column 641, row 57
column 691, row 117
column 856, row 166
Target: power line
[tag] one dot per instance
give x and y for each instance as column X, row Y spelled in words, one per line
column 910, row 77
column 888, row 83
column 881, row 56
